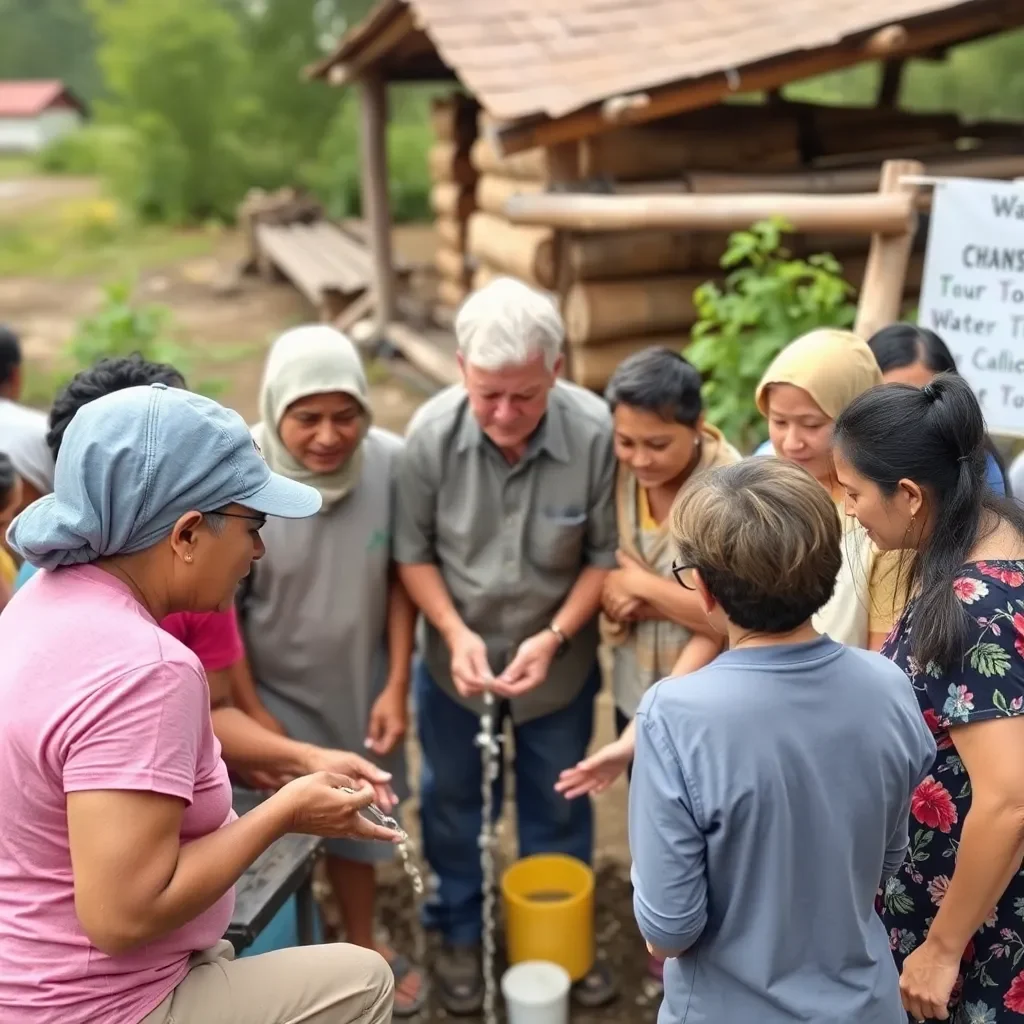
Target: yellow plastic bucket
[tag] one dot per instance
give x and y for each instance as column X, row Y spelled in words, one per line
column 549, row 912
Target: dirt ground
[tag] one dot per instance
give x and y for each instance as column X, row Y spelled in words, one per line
column 226, row 326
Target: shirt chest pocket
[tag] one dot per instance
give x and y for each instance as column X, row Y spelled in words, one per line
column 556, row 538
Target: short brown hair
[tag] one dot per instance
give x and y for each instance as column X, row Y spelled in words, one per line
column 766, row 539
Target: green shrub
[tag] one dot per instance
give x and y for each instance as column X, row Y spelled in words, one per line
column 769, row 299
column 84, row 151
column 121, row 328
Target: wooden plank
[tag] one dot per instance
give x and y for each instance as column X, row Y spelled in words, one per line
column 374, row 181
column 889, row 214
column 881, row 294
column 424, row 355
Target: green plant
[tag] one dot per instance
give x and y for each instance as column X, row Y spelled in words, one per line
column 120, row 328
column 768, row 299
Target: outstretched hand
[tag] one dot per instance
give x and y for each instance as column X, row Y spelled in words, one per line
column 596, row 773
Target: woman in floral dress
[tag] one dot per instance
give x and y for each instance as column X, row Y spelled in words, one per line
column 912, row 462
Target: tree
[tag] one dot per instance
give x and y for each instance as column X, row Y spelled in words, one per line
column 176, row 76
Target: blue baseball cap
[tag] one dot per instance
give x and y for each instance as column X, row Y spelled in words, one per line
column 133, row 462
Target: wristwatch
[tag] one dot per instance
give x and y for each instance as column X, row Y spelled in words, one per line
column 563, row 640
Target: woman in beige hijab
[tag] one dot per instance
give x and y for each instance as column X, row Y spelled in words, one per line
column 801, row 393
column 328, row 628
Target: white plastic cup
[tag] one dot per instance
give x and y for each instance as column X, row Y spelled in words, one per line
column 536, row 992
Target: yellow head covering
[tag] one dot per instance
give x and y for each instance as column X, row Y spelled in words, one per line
column 832, row 366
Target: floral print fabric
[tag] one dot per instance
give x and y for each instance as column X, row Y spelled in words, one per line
column 989, row 684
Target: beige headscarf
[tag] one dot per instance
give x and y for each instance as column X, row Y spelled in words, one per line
column 311, row 360
column 832, row 366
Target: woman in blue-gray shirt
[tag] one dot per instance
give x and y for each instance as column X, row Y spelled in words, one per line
column 757, row 852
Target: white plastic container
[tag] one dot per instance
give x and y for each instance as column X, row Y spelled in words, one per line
column 536, row 992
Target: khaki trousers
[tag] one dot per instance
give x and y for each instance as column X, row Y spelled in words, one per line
column 325, row 984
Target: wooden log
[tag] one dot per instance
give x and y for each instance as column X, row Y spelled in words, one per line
column 451, row 264
column 450, row 200
column 592, row 257
column 524, row 252
column 533, row 165
column 881, row 295
column 595, row 312
column 447, row 163
column 484, row 275
column 451, row 293
column 492, row 192
column 593, row 365
column 638, row 154
column 451, row 232
column 453, row 119
column 887, row 214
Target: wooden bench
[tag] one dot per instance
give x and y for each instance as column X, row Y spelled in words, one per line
column 283, row 870
column 328, row 265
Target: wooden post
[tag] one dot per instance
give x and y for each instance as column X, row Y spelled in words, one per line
column 881, row 294
column 376, row 205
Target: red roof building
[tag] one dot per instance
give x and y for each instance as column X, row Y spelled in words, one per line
column 33, row 113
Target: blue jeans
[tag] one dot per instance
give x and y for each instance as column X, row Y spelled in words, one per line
column 450, row 797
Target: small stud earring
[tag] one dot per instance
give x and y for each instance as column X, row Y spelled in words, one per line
column 188, row 558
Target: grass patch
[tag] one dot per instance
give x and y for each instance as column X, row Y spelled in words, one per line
column 92, row 237
column 12, row 166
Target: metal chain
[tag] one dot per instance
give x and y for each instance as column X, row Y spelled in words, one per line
column 490, row 762
column 412, row 871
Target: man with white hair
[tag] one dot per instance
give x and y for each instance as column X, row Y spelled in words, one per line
column 505, row 531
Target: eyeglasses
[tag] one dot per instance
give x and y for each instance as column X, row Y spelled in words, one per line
column 261, row 519
column 680, row 572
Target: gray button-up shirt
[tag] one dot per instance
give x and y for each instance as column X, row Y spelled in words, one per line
column 510, row 540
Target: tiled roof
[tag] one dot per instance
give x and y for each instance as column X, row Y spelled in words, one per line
column 524, row 58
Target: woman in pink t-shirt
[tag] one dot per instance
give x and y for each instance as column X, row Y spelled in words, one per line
column 119, row 849
column 254, row 745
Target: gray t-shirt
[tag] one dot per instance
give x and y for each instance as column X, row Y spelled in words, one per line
column 770, row 798
column 23, row 440
column 314, row 612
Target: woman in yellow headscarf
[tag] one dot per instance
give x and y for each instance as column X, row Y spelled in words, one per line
column 805, row 388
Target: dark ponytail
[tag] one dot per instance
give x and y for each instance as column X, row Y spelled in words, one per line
column 934, row 436
column 901, row 345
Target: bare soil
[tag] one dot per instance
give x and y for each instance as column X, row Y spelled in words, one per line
column 226, row 325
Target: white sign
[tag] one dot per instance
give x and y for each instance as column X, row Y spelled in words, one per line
column 972, row 294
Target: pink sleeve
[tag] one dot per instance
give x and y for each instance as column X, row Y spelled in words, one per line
column 215, row 639
column 141, row 731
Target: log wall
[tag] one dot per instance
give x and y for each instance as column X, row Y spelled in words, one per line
column 453, row 195
column 621, row 291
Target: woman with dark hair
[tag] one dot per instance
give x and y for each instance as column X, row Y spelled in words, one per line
column 912, row 461
column 908, row 354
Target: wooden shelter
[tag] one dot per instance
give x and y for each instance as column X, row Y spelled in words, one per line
column 595, row 150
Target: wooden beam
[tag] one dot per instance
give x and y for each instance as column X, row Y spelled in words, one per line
column 855, row 214
column 347, row 72
column 892, row 80
column 423, row 354
column 881, row 293
column 890, row 43
column 376, row 202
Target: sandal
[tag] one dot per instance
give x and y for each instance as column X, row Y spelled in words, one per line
column 595, row 989
column 460, row 977
column 402, row 968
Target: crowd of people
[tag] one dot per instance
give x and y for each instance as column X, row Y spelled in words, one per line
column 818, row 831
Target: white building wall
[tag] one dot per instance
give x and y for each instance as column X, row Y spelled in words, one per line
column 31, row 134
